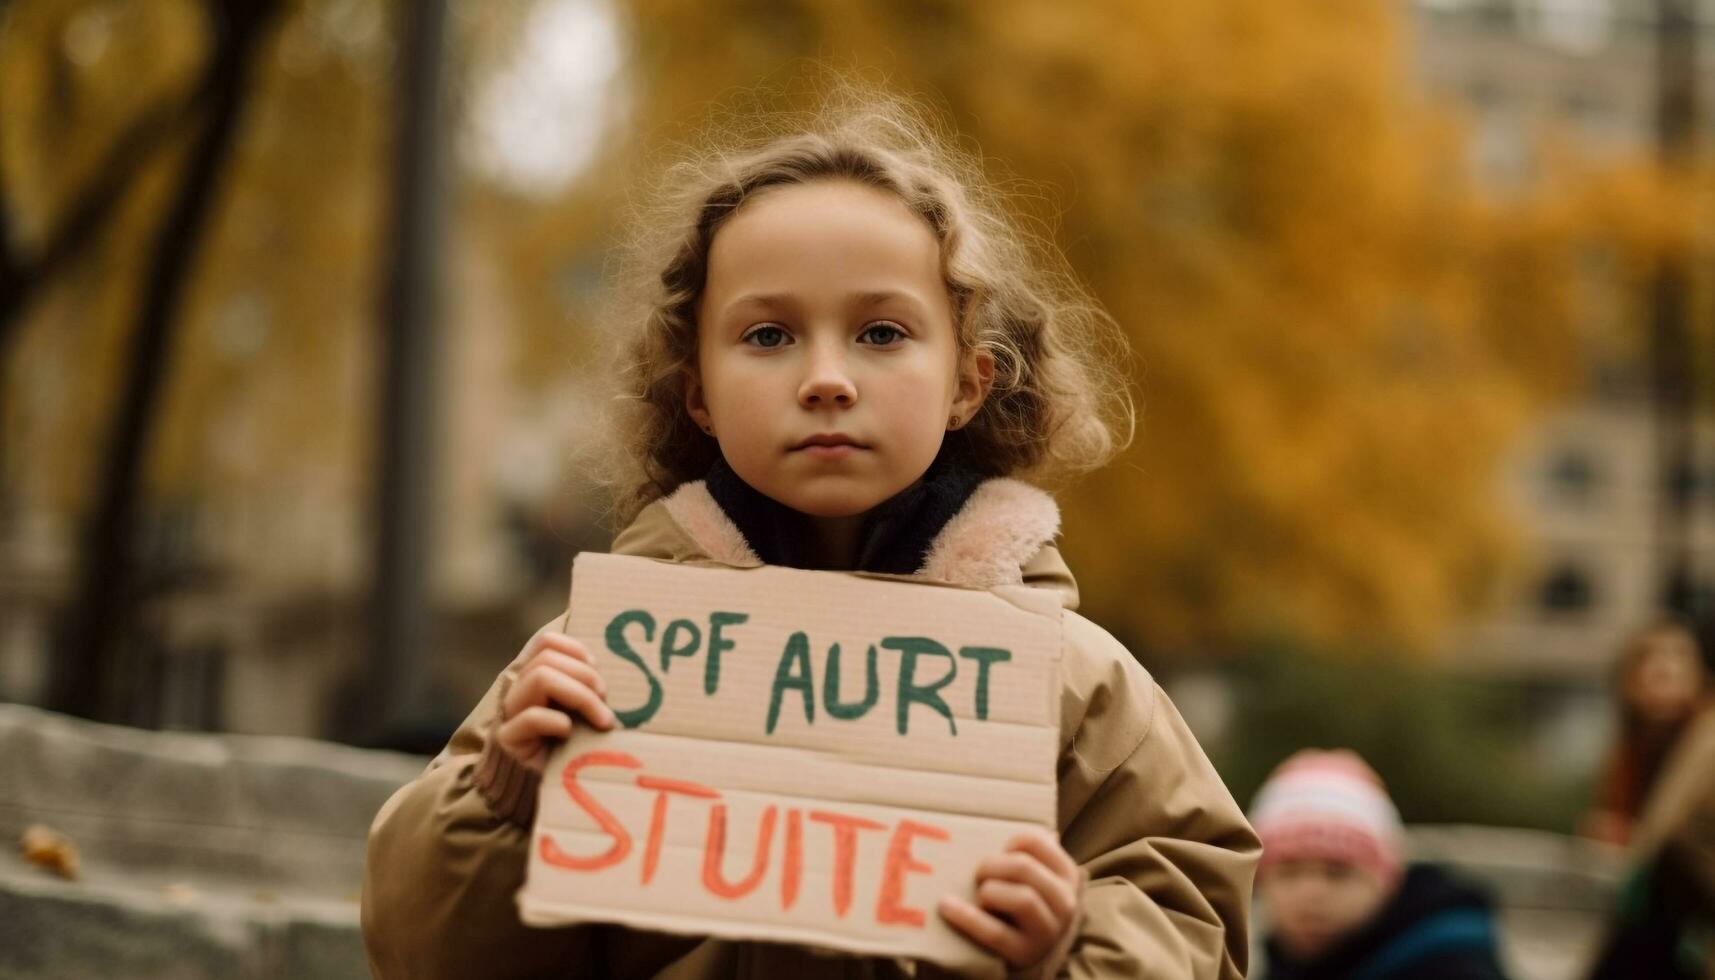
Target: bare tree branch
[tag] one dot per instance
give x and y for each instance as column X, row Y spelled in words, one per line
column 21, row 276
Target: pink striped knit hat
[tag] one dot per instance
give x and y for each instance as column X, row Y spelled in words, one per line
column 1331, row 806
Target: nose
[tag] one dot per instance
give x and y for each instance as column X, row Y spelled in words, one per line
column 827, row 382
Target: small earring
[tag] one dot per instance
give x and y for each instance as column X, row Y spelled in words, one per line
column 954, row 424
column 709, row 429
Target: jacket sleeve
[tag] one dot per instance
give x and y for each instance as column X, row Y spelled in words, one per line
column 1168, row 853
column 445, row 860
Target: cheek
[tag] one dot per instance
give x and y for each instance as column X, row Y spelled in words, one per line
column 916, row 430
column 734, row 389
column 1354, row 901
column 1283, row 898
column 743, row 430
column 923, row 391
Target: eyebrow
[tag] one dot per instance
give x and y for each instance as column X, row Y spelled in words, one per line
column 878, row 297
column 772, row 301
column 786, row 301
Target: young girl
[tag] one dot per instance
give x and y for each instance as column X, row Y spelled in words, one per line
column 843, row 358
column 1660, row 685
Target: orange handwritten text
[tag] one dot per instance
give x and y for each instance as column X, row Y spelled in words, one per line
column 843, row 844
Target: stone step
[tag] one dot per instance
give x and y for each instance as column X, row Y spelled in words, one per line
column 201, row 856
column 50, row 928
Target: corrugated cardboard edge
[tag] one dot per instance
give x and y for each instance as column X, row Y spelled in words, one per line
column 540, row 914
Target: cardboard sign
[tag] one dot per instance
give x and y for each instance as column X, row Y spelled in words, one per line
column 804, row 757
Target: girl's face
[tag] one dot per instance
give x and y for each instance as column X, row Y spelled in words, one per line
column 1314, row 903
column 1665, row 683
column 827, row 363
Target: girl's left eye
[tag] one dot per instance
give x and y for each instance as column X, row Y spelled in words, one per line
column 881, row 334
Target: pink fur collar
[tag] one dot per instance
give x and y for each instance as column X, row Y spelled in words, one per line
column 987, row 543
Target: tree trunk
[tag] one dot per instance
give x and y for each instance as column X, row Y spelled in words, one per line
column 84, row 667
column 392, row 706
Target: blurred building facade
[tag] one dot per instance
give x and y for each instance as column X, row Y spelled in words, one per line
column 1587, row 484
column 1583, row 67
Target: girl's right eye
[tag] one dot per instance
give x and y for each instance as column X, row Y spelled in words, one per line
column 766, row 336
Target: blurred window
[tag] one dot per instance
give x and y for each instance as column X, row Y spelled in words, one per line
column 1572, row 477
column 1689, row 594
column 1567, row 589
column 1688, row 484
column 1681, row 484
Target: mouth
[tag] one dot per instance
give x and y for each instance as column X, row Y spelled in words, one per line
column 828, row 444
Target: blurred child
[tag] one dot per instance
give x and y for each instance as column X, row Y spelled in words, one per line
column 1660, row 684
column 842, row 355
column 1340, row 902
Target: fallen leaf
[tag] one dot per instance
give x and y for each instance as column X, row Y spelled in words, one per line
column 51, row 850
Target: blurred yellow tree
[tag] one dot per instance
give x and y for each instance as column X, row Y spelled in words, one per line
column 1336, row 331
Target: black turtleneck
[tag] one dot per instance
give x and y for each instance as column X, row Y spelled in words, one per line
column 895, row 538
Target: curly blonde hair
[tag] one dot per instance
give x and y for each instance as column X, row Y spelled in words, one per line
column 1060, row 403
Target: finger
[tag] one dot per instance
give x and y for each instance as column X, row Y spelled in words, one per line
column 1025, row 909
column 547, row 685
column 1026, row 870
column 522, row 736
column 985, row 930
column 532, row 725
column 563, row 643
column 551, row 688
column 557, row 662
column 580, row 699
column 1047, row 848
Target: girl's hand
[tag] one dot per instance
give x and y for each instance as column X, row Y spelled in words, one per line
column 558, row 680
column 1028, row 895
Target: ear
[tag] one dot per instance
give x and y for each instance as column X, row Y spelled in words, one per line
column 696, row 405
column 976, row 375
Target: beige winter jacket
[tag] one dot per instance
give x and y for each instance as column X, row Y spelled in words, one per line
column 1168, row 853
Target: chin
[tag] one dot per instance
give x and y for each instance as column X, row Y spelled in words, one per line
column 832, row 504
column 835, row 497
column 1305, row 945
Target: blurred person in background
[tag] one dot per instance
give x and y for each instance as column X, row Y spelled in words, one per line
column 1661, row 684
column 1664, row 926
column 1338, row 897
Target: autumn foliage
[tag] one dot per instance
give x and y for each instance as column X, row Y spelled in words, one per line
column 1338, row 328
